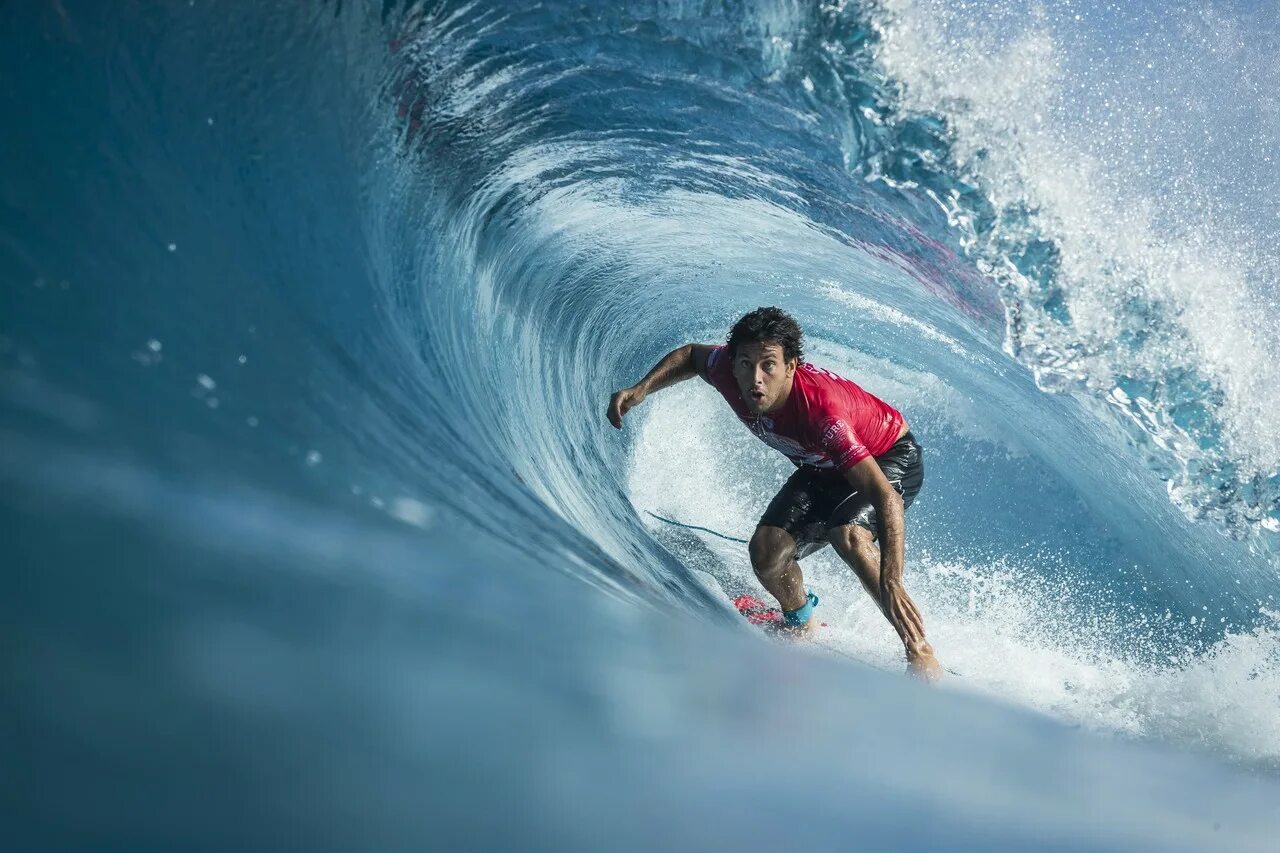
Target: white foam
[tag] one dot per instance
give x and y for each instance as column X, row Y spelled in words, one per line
column 1119, row 248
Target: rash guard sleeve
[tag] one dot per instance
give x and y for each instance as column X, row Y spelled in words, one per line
column 837, row 439
column 717, row 366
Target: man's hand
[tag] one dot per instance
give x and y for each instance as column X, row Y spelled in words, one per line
column 676, row 366
column 622, row 402
column 902, row 612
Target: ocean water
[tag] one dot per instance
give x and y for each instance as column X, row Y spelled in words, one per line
column 315, row 534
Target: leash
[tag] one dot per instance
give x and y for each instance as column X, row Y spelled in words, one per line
column 675, row 523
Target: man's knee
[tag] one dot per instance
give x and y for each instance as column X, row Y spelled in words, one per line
column 850, row 538
column 772, row 550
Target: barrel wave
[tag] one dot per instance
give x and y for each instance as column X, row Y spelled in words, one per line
column 316, row 531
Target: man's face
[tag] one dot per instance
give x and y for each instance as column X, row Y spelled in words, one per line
column 764, row 376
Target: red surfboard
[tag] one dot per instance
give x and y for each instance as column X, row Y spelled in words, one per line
column 760, row 612
column 756, row 611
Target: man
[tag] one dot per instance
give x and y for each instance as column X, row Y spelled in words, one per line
column 858, row 467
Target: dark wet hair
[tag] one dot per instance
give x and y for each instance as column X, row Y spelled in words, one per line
column 771, row 325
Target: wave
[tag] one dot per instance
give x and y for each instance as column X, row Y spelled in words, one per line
column 309, row 320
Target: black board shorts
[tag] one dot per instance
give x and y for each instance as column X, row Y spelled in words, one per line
column 815, row 500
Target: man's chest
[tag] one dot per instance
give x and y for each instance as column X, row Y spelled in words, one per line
column 783, row 435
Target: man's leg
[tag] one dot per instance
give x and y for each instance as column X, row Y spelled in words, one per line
column 773, row 557
column 856, row 545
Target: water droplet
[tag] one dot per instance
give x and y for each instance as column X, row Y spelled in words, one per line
column 411, row 511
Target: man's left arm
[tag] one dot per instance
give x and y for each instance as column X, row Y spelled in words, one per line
column 867, row 478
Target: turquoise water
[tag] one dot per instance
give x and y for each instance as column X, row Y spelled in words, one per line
column 315, row 529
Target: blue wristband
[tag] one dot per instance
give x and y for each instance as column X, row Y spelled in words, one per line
column 801, row 615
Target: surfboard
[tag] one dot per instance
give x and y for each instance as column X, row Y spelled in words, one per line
column 769, row 617
column 758, row 612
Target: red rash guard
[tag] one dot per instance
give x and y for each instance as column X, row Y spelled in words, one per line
column 827, row 421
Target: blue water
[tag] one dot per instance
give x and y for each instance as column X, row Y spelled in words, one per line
column 315, row 534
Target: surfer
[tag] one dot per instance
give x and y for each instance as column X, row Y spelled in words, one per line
column 858, row 467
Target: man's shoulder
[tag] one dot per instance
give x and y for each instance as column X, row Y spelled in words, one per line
column 830, row 385
column 715, row 356
column 819, row 380
column 715, row 365
column 825, row 394
column 821, row 373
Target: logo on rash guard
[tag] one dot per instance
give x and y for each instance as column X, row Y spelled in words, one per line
column 838, row 441
column 832, row 429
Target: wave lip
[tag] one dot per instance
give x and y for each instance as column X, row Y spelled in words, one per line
column 1108, row 287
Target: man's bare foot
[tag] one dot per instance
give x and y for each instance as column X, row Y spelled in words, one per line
column 923, row 665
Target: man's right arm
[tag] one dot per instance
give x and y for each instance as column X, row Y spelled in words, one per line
column 676, row 366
